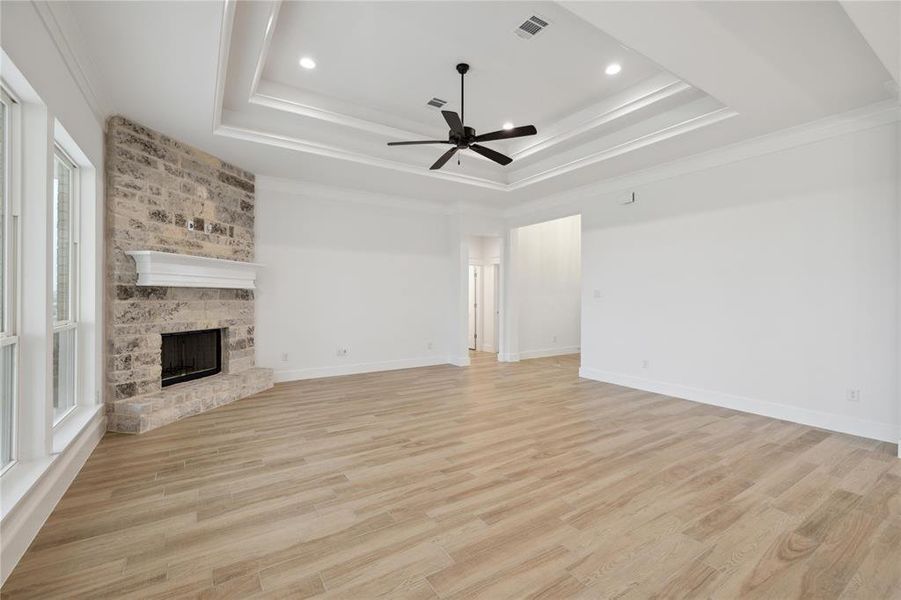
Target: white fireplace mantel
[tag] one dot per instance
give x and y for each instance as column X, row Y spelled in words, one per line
column 167, row 269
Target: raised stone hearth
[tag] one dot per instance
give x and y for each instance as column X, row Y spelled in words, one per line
column 155, row 187
column 149, row 411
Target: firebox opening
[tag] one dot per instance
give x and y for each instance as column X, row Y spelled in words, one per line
column 191, row 355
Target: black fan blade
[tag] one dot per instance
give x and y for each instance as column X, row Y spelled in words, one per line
column 504, row 134
column 489, row 153
column 444, row 158
column 419, row 142
column 453, row 120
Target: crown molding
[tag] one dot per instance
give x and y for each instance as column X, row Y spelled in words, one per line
column 321, row 114
column 78, row 64
column 643, row 100
column 225, row 38
column 264, row 49
column 281, row 141
column 720, row 114
column 301, row 145
column 607, row 115
column 867, row 117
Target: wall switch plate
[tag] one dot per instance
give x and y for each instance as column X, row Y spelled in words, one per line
column 853, row 395
column 284, row 357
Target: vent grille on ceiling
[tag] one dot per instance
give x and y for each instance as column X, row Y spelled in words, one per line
column 436, row 102
column 531, row 27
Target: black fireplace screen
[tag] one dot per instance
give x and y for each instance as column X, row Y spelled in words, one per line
column 191, row 355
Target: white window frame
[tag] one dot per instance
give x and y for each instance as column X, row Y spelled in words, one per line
column 71, row 323
column 9, row 321
column 41, row 446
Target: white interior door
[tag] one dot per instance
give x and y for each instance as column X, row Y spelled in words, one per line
column 488, row 315
column 473, row 306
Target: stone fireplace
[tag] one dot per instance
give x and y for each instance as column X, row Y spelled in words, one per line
column 167, row 199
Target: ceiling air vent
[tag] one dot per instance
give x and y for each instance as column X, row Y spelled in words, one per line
column 436, row 102
column 531, row 27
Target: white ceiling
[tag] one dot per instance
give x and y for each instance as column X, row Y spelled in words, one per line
column 224, row 77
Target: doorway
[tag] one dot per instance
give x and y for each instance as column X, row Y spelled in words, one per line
column 484, row 309
column 547, row 299
column 483, row 298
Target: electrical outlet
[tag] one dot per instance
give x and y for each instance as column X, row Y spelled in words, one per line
column 555, row 339
column 597, row 294
column 429, row 345
column 191, row 225
column 342, row 352
column 645, row 364
column 208, row 228
column 853, row 395
column 284, row 357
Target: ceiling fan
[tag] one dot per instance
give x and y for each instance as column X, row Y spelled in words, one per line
column 465, row 138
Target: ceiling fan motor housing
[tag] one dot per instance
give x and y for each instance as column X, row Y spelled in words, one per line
column 462, row 141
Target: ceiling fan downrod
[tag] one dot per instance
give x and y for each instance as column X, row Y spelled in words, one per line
column 462, row 68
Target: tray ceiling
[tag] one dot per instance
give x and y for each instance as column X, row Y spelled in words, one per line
column 379, row 63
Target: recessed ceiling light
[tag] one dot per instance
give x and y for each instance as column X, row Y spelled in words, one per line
column 613, row 69
column 307, row 63
column 508, row 125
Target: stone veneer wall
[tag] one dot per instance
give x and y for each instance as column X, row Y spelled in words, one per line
column 155, row 185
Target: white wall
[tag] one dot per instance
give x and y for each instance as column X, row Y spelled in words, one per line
column 776, row 293
column 548, row 286
column 484, row 249
column 345, row 274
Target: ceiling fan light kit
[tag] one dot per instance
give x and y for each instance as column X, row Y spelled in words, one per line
column 462, row 137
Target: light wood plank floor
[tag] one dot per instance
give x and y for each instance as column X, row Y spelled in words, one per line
column 496, row 481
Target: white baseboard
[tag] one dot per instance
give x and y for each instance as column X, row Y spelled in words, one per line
column 545, row 352
column 25, row 519
column 459, row 361
column 508, row 357
column 885, row 432
column 357, row 368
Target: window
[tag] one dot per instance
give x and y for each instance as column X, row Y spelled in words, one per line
column 64, row 284
column 8, row 273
